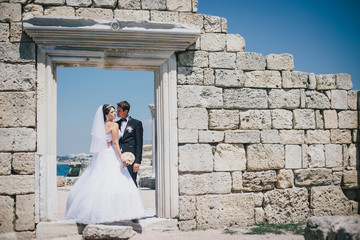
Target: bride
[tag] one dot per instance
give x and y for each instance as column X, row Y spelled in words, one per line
column 105, row 192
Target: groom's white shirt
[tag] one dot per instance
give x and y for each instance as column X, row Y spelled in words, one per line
column 123, row 126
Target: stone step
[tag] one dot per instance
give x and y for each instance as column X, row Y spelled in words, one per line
column 97, row 231
column 155, row 223
column 58, row 229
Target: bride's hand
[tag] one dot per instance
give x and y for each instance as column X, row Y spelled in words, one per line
column 125, row 165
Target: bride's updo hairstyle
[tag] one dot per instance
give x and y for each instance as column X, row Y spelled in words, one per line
column 106, row 109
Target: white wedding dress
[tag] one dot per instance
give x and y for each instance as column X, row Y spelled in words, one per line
column 105, row 192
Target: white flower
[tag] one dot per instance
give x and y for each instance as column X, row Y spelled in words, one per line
column 128, row 158
column 129, row 129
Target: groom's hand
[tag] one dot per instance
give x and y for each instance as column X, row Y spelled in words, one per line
column 136, row 167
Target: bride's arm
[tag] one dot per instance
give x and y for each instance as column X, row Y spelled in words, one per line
column 115, row 141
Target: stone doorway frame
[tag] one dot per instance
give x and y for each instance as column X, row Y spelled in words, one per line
column 117, row 45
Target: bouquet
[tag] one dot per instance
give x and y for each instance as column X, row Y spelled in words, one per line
column 127, row 158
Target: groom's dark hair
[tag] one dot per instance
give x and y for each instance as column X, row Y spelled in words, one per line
column 124, row 105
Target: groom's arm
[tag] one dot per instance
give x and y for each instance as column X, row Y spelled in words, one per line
column 139, row 142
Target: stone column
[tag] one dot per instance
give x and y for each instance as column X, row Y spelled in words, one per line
column 152, row 111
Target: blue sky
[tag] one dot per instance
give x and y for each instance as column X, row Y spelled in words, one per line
column 323, row 36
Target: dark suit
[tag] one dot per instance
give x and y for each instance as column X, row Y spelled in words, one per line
column 132, row 141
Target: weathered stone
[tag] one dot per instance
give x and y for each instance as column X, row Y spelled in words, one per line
column 295, row 79
column 199, row 96
column 339, row 99
column 336, row 178
column 242, row 136
column 263, row 79
column 292, row 136
column 270, row 136
column 211, row 136
column 15, row 52
column 328, row 200
column 153, row 4
column 129, row 4
column 224, row 119
column 7, row 214
column 108, row 232
column 317, row 136
column 23, row 163
column 265, row 156
column 31, row 10
column 194, row 59
column 236, row 181
column 17, row 139
column 222, row 60
column 330, row 119
column 193, row 118
column 187, row 225
column 316, row 99
column 319, row 120
column 179, row 5
column 245, row 98
column 355, row 135
column 235, row 43
column 229, row 157
column 316, row 176
column 10, row 12
column 131, row 15
column 283, row 61
column 163, row 16
column 79, row 3
column 351, row 179
column 352, row 100
column 348, row 119
column 4, row 33
column 258, row 181
column 281, row 119
column 325, row 81
column 229, row 78
column 5, row 164
column 216, row 211
column 280, row 205
column 96, row 13
column 187, row 208
column 16, row 184
column 223, row 23
column 192, row 19
column 255, row 119
column 15, row 32
column 340, row 136
column 343, row 81
column 26, row 235
column 194, row 6
column 209, row 77
column 212, row 24
column 302, row 98
column 313, row 156
column 105, row 3
column 190, row 76
column 50, row 2
column 353, row 156
column 293, row 156
column 259, row 215
column 25, row 212
column 285, row 179
column 17, row 109
column 279, row 98
column 187, row 136
column 250, row 61
column 312, row 81
column 333, row 155
column 304, row 119
column 195, row 158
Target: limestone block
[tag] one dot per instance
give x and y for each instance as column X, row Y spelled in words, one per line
column 302, row 98
column 187, row 136
column 79, row 3
column 129, row 4
column 199, row 96
column 16, row 184
column 209, row 77
column 105, row 3
column 229, row 78
column 292, row 136
column 285, row 179
column 212, row 24
column 194, row 59
column 217, row 211
column 96, row 13
column 153, row 4
column 113, row 232
column 263, row 79
column 31, row 10
column 333, row 155
column 270, row 136
column 245, row 98
column 328, row 200
column 313, row 156
column 250, row 61
column 179, row 5
column 50, row 2
column 293, row 156
column 18, row 109
column 4, row 32
column 295, row 79
column 319, row 120
column 163, row 16
column 10, row 12
column 280, row 205
column 192, row 19
column 265, row 156
column 131, row 15
column 352, row 100
column 222, row 60
column 235, row 43
column 17, row 139
column 187, row 207
column 224, row 119
column 304, row 119
column 312, row 81
column 351, row 179
column 258, row 199
column 15, row 32
column 355, row 135
column 242, row 136
column 25, row 212
column 279, row 98
column 211, row 136
column 194, row 6
column 353, row 155
column 343, row 81
column 190, row 76
column 325, row 81
column 315, row 176
column 348, row 119
column 187, row 225
column 5, row 163
column 229, row 157
column 259, row 215
column 192, row 118
column 336, row 178
column 23, row 163
column 7, row 214
column 255, row 119
column 330, row 119
column 223, row 23
column 236, row 181
column 283, row 61
column 315, row 99
column 317, row 136
column 339, row 99
column 258, row 181
column 14, row 53
column 26, row 235
column 281, row 119
column 340, row 136
column 195, row 158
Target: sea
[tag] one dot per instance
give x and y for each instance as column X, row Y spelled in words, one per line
column 62, row 169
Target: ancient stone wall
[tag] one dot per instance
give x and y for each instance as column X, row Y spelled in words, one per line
column 257, row 140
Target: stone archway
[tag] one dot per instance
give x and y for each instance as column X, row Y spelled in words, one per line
column 118, row 45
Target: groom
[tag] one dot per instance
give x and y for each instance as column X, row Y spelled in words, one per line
column 131, row 136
